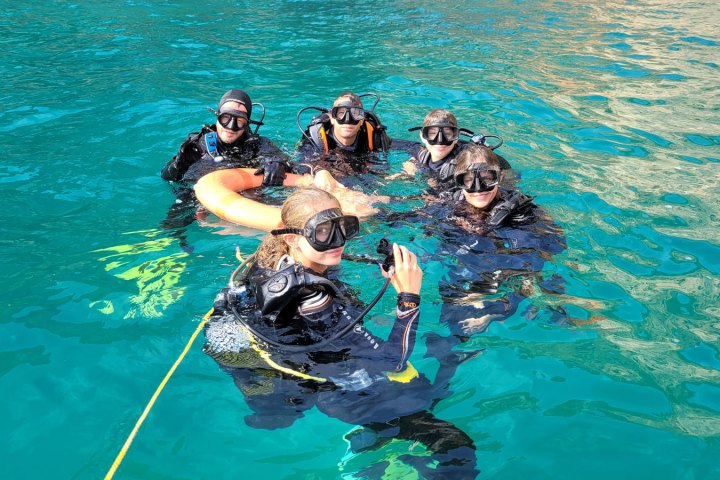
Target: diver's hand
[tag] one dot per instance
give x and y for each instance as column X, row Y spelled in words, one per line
column 407, row 275
column 409, row 167
column 325, row 181
column 274, row 173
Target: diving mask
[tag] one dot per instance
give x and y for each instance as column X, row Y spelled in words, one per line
column 233, row 120
column 348, row 113
column 441, row 133
column 326, row 230
column 478, row 178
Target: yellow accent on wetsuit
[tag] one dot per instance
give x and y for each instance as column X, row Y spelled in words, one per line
column 403, row 376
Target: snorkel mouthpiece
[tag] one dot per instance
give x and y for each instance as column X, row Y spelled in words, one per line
column 384, row 248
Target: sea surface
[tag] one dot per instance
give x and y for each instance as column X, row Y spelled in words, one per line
column 610, row 113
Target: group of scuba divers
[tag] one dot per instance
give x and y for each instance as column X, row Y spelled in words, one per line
column 291, row 333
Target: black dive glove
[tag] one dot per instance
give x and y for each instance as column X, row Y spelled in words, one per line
column 274, row 172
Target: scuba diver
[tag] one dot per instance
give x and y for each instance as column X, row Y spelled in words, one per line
column 437, row 156
column 229, row 143
column 292, row 337
column 500, row 239
column 346, row 126
column 345, row 138
column 496, row 239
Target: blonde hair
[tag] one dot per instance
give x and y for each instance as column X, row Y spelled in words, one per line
column 476, row 154
column 349, row 95
column 296, row 211
column 440, row 115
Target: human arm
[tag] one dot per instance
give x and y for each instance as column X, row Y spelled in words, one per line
column 405, row 275
column 217, row 191
column 406, row 278
column 411, row 166
column 188, row 154
column 352, row 202
column 275, row 166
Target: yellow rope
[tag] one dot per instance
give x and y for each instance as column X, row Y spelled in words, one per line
column 266, row 356
column 150, row 404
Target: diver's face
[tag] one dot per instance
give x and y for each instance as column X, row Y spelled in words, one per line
column 305, row 254
column 480, row 184
column 481, row 200
column 345, row 126
column 227, row 135
column 438, row 152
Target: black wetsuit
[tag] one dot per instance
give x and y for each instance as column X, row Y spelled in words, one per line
column 199, row 155
column 319, row 149
column 495, row 259
column 352, row 377
column 195, row 158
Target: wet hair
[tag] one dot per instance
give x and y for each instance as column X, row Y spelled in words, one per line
column 296, row 211
column 349, row 95
column 476, row 154
column 440, row 115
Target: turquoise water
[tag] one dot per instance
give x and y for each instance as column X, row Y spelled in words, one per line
column 611, row 113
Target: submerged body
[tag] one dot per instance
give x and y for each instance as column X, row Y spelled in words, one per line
column 497, row 261
column 292, row 337
column 320, row 357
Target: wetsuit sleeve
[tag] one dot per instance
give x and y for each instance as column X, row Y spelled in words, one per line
column 189, row 153
column 275, row 164
column 417, row 154
column 401, row 341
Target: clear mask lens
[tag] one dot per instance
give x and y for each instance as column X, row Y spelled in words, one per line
column 478, row 180
column 325, row 233
column 440, row 134
column 232, row 122
column 348, row 114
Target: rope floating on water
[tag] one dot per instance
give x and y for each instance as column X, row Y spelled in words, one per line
column 138, row 424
